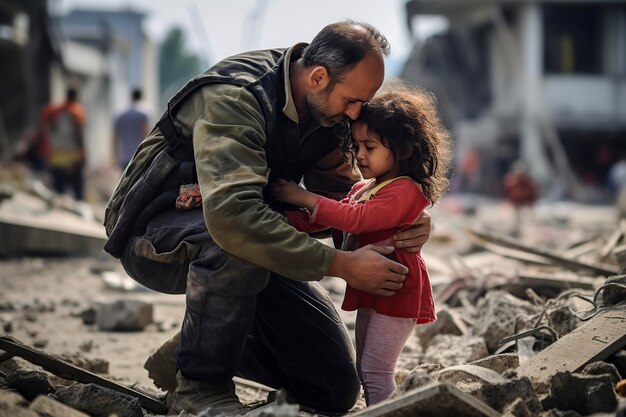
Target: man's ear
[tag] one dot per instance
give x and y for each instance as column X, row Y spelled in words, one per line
column 318, row 78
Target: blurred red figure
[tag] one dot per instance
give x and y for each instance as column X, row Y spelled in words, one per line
column 62, row 143
column 520, row 190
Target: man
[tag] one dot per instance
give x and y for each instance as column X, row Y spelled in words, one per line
column 130, row 128
column 62, row 145
column 251, row 307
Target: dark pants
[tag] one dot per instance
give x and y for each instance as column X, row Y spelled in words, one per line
column 243, row 320
column 73, row 176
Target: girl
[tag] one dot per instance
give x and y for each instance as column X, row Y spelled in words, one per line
column 402, row 151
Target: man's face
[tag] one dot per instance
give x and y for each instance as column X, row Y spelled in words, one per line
column 345, row 98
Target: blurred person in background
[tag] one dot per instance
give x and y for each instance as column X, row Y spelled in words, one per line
column 521, row 191
column 617, row 184
column 129, row 129
column 62, row 143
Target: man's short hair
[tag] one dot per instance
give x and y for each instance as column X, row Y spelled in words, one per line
column 339, row 47
column 136, row 94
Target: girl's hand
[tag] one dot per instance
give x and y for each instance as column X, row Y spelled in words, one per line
column 290, row 192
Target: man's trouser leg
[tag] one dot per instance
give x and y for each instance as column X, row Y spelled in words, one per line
column 242, row 320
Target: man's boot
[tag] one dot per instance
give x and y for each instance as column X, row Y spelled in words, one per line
column 196, row 396
column 161, row 365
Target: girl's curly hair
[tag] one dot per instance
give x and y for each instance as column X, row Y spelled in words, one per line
column 407, row 122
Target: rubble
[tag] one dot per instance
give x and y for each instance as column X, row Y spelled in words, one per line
column 123, row 315
column 99, row 401
column 530, row 327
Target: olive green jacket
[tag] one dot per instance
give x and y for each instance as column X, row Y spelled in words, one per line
column 227, row 125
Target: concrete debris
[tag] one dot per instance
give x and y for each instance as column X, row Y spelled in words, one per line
column 448, row 321
column 99, row 401
column 47, row 407
column 500, row 395
column 585, row 394
column 30, row 384
column 619, row 360
column 500, row 315
column 95, row 365
column 434, row 400
column 603, row 368
column 454, row 350
column 123, row 315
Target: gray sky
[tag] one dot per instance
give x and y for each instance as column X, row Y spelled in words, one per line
column 219, row 28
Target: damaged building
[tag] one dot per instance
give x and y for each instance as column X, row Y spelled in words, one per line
column 540, row 81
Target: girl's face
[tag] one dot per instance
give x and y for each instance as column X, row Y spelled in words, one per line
column 374, row 159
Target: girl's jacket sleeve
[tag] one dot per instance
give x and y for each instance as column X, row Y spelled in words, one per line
column 397, row 204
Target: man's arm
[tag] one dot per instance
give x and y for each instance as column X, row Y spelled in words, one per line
column 228, row 143
column 414, row 238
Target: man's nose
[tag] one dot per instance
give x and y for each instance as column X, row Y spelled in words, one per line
column 353, row 110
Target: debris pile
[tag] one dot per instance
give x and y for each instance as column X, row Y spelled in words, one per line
column 534, row 326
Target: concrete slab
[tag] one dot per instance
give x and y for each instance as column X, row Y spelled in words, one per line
column 435, row 400
column 29, row 226
column 596, row 339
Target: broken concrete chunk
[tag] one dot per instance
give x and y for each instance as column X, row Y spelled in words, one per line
column 448, row 322
column 30, row 384
column 97, row 365
column 619, row 360
column 11, row 399
column 517, row 408
column 99, row 401
column 499, row 395
column 602, row 368
column 616, row 291
column 417, row 378
column 501, row 364
column 596, row 339
column 585, row 394
column 123, row 315
column 47, row 407
column 455, row 350
column 434, row 400
column 497, row 315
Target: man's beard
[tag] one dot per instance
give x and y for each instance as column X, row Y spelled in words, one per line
column 318, row 109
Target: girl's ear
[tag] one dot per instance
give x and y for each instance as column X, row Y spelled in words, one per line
column 408, row 152
column 318, row 78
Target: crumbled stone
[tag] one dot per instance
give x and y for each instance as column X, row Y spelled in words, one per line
column 415, row 379
column 99, row 401
column 448, row 322
column 47, row 407
column 455, row 350
column 619, row 360
column 603, row 368
column 95, row 365
column 497, row 314
column 30, row 384
column 585, row 394
column 613, row 294
column 123, row 315
column 501, row 364
column 500, row 395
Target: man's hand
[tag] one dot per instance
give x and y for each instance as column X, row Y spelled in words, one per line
column 366, row 269
column 413, row 238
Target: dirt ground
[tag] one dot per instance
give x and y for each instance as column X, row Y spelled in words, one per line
column 42, row 298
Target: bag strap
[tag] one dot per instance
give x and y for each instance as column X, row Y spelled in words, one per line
column 369, row 194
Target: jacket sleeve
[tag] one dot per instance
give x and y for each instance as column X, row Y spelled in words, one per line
column 398, row 204
column 331, row 177
column 228, row 138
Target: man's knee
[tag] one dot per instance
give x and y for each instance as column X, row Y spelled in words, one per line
column 336, row 392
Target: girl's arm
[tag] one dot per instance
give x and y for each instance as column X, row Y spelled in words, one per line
column 398, row 204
